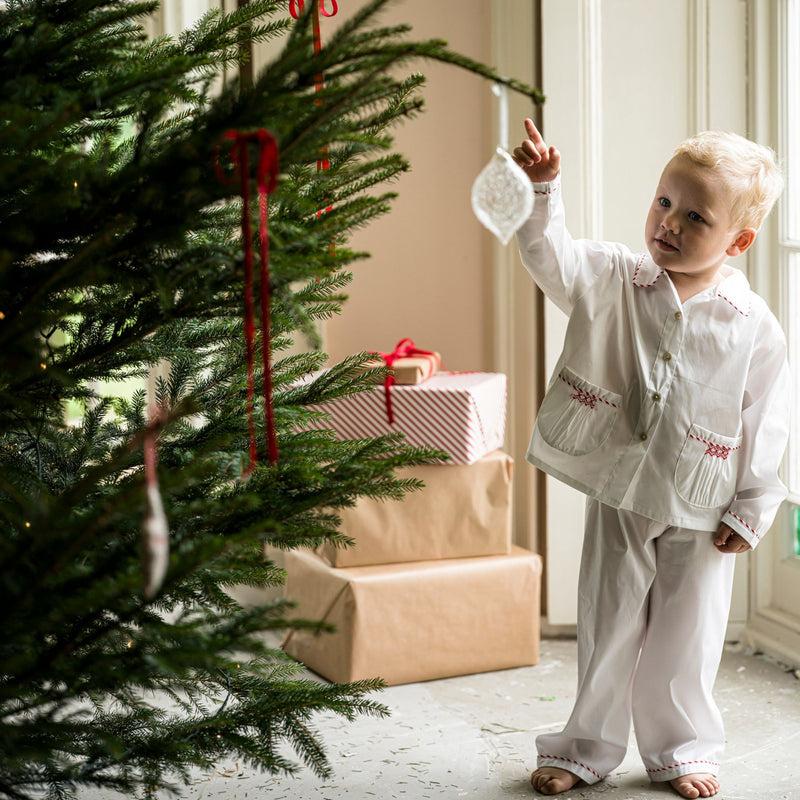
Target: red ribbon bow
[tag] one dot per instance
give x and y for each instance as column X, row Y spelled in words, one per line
column 405, row 349
column 297, row 7
column 266, row 180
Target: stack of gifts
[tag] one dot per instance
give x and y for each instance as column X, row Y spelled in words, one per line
column 433, row 587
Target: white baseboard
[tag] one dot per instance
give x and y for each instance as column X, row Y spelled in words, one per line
column 777, row 634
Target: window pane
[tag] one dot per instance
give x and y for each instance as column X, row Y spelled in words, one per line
column 790, row 145
column 791, row 324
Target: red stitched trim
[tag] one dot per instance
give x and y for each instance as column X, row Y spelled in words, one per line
column 570, row 761
column 554, row 184
column 744, row 314
column 587, row 398
column 714, row 449
column 749, row 527
column 638, row 268
column 684, row 764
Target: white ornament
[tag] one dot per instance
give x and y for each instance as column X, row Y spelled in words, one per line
column 502, row 196
column 156, row 543
column 155, row 532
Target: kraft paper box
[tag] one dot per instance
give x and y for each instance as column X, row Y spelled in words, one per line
column 416, row 622
column 464, row 510
column 463, row 414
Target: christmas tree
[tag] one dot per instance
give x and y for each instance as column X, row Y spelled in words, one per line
column 124, row 250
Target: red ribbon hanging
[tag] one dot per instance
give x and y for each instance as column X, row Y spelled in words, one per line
column 296, row 8
column 405, row 349
column 266, row 180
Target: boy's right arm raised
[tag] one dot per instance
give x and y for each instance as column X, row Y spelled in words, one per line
column 563, row 268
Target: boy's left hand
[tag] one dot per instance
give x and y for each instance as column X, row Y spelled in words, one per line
column 726, row 540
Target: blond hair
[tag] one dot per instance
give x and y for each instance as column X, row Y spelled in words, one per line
column 750, row 170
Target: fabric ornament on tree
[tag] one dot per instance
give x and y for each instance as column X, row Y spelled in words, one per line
column 155, row 531
column 296, row 8
column 266, row 181
column 502, row 195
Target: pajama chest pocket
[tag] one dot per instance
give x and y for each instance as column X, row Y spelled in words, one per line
column 705, row 475
column 576, row 416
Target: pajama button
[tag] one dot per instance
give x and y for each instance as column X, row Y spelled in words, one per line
column 656, row 397
column 667, row 356
column 678, row 315
column 644, row 437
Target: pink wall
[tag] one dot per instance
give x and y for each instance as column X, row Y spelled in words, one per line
column 429, row 275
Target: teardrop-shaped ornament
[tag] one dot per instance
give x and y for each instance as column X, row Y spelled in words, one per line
column 502, row 196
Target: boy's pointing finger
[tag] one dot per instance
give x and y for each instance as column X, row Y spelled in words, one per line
column 534, row 135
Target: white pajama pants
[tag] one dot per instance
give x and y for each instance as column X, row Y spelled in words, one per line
column 653, row 606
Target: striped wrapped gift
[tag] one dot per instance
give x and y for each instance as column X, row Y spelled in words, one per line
column 462, row 413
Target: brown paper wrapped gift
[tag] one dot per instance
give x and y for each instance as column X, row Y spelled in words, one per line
column 462, row 511
column 416, row 621
column 410, row 370
column 409, row 364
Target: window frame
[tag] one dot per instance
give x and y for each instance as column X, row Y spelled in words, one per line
column 774, row 617
column 788, row 245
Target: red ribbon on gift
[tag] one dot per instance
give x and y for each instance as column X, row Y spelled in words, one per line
column 266, row 181
column 405, row 349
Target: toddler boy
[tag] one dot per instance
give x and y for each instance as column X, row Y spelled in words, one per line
column 669, row 409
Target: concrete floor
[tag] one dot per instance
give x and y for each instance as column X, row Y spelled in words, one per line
column 473, row 737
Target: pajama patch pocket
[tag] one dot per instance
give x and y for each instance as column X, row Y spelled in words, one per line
column 576, row 416
column 705, row 475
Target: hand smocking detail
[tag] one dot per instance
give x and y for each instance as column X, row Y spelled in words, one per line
column 638, row 269
column 586, row 398
column 749, row 527
column 713, row 449
column 743, row 313
column 577, row 763
column 683, row 764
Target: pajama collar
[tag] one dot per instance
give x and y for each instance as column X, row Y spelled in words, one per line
column 734, row 290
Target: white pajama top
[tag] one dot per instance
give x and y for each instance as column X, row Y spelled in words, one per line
column 678, row 412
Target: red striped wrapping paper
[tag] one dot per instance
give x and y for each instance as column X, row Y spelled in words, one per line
column 463, row 414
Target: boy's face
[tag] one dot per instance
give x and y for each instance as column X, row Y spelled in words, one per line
column 689, row 228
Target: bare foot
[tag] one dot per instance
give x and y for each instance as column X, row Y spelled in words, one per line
column 552, row 780
column 697, row 784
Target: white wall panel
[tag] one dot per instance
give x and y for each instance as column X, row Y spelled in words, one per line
column 626, row 81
